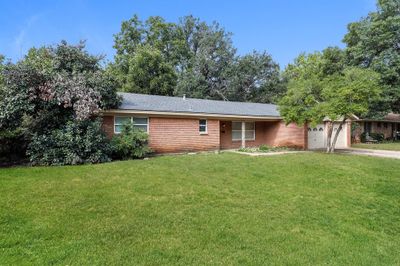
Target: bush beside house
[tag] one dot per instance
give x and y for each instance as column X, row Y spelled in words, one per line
column 131, row 143
column 75, row 143
column 375, row 136
column 47, row 107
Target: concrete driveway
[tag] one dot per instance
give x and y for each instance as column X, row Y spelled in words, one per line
column 370, row 152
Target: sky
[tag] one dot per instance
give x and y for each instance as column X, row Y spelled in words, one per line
column 283, row 28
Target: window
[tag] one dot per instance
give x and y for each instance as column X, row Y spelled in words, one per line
column 379, row 124
column 138, row 122
column 385, row 125
column 250, row 132
column 203, row 126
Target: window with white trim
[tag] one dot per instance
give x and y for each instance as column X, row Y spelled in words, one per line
column 203, row 126
column 249, row 132
column 137, row 122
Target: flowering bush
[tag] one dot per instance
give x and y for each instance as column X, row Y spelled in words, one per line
column 50, row 97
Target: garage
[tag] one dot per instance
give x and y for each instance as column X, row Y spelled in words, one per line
column 317, row 136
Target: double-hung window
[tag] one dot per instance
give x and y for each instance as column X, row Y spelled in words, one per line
column 249, row 131
column 203, row 126
column 138, row 122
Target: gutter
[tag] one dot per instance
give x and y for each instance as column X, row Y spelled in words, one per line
column 187, row 114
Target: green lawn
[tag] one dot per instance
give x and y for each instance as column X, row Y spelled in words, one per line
column 390, row 146
column 204, row 209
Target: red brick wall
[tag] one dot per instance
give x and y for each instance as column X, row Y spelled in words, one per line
column 108, row 125
column 348, row 123
column 387, row 132
column 288, row 135
column 182, row 134
column 175, row 134
column 274, row 133
column 261, row 138
column 358, row 130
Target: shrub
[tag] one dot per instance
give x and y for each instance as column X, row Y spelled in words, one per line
column 376, row 136
column 12, row 147
column 131, row 143
column 246, row 149
column 75, row 143
column 264, row 147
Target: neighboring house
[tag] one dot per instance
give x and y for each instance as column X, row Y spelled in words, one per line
column 389, row 126
column 179, row 124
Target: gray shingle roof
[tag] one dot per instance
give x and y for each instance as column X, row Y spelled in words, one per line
column 143, row 102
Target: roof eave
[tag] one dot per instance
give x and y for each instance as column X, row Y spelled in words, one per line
column 188, row 114
column 379, row 120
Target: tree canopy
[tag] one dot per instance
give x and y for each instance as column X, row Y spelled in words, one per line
column 374, row 42
column 148, row 72
column 190, row 57
column 1, row 68
column 55, row 81
column 319, row 89
column 53, row 87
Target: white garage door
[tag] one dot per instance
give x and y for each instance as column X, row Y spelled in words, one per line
column 342, row 138
column 316, row 137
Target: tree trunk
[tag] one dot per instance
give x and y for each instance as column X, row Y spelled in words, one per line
column 332, row 149
column 222, row 95
column 329, row 137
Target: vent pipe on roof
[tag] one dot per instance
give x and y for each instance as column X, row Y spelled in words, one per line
column 184, row 97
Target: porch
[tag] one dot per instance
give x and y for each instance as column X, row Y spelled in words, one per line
column 247, row 133
column 389, row 129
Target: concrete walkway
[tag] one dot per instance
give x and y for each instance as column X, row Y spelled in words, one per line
column 370, row 152
column 265, row 153
column 355, row 151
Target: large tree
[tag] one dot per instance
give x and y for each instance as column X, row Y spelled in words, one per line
column 318, row 90
column 53, row 83
column 205, row 72
column 147, row 54
column 148, row 72
column 202, row 57
column 374, row 42
column 1, row 69
column 54, row 86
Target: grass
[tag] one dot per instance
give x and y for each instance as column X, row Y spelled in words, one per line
column 204, row 209
column 390, row 146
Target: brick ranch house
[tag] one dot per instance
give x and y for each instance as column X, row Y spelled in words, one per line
column 389, row 126
column 180, row 124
